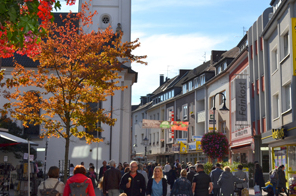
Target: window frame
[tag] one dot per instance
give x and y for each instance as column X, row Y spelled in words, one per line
column 185, row 112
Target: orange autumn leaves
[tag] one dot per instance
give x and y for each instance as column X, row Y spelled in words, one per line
column 75, row 68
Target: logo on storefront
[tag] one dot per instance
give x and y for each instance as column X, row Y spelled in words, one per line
column 278, row 134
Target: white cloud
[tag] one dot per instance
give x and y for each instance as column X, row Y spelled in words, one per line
column 163, row 50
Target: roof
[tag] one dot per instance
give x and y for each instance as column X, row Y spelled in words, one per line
column 164, row 86
column 195, row 72
column 140, row 107
column 15, row 139
column 23, row 59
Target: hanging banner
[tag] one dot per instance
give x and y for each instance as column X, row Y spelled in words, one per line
column 241, row 99
column 151, row 123
column 198, row 146
column 294, row 44
column 179, row 125
column 192, row 146
column 173, row 125
column 183, row 148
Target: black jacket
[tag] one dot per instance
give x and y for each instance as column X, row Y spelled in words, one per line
column 111, row 180
column 138, row 185
column 282, row 179
column 182, row 186
column 190, row 176
column 172, row 177
column 259, row 180
column 202, row 181
column 164, row 186
column 101, row 174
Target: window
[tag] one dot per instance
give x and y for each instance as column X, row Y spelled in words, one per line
column 136, row 119
column 173, row 93
column 154, row 117
column 224, row 66
column 184, row 88
column 195, row 82
column 202, row 79
column 185, row 112
column 275, row 106
column 136, row 142
column 157, row 116
column 192, row 131
column 142, row 115
column 189, row 85
column 142, row 136
column 287, row 97
column 274, row 61
column 178, row 114
column 153, row 138
column 105, row 19
column 218, row 69
column 223, row 127
column 93, row 107
column 286, row 44
column 211, row 102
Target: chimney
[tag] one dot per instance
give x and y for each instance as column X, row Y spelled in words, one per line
column 143, row 100
column 161, row 79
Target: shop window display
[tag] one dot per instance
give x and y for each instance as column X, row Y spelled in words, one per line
column 291, row 169
column 286, row 155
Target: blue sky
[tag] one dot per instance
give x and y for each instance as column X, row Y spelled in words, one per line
column 176, row 34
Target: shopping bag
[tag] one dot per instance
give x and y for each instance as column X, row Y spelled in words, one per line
column 257, row 190
column 245, row 192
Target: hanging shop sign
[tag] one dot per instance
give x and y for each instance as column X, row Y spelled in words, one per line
column 175, row 147
column 173, row 125
column 183, row 148
column 241, row 99
column 278, row 134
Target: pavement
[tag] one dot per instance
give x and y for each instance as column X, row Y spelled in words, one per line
column 98, row 193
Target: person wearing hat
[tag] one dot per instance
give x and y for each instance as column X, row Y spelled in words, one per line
column 191, row 173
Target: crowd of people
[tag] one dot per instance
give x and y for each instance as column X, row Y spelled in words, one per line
column 136, row 179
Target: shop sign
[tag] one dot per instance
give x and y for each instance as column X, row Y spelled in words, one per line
column 192, row 146
column 175, row 147
column 196, row 137
column 183, row 148
column 241, row 133
column 278, row 134
column 241, row 99
column 181, row 140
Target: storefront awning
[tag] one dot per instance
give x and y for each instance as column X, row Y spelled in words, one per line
column 240, row 145
column 15, row 139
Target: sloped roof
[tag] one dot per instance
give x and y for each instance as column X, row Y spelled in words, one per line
column 23, row 59
column 140, row 107
column 164, row 86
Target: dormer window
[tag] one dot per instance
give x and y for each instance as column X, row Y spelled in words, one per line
column 219, row 69
column 224, row 65
column 189, row 85
column 184, row 88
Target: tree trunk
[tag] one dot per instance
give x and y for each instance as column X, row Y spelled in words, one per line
column 66, row 155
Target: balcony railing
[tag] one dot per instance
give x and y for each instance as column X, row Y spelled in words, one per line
column 201, row 116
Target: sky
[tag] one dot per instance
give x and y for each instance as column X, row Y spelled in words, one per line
column 178, row 34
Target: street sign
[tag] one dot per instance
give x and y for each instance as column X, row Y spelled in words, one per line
column 212, row 121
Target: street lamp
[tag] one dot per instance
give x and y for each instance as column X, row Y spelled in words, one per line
column 145, row 143
column 224, row 108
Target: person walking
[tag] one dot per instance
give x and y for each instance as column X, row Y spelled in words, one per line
column 191, row 173
column 172, row 177
column 182, row 186
column 143, row 172
column 281, row 184
column 215, row 174
column 241, row 175
column 103, row 169
column 178, row 170
column 111, row 180
column 133, row 183
column 79, row 177
column 201, row 183
column 52, row 181
column 259, row 180
column 226, row 182
column 93, row 176
column 157, row 185
column 167, row 168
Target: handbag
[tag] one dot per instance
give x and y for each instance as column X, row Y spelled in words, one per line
column 257, row 190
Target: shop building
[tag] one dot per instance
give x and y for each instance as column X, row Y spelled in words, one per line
column 260, row 87
column 279, row 36
column 240, row 133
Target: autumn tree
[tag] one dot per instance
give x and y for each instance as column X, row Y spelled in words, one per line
column 75, row 69
column 22, row 24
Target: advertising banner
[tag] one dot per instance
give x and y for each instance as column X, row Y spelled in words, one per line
column 183, row 148
column 241, row 99
column 175, row 147
column 173, row 125
column 192, row 146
